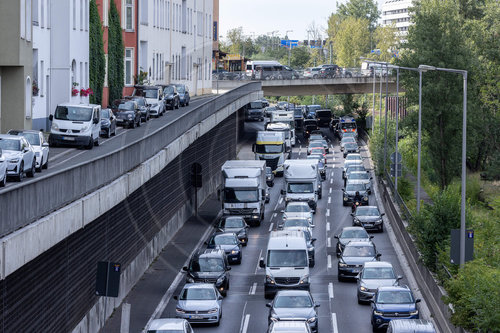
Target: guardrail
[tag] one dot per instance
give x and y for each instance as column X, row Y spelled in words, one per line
column 25, row 202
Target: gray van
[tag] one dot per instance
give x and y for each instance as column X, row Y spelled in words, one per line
column 410, row 326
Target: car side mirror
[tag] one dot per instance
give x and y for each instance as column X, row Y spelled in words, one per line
column 247, row 226
column 176, row 298
column 283, row 192
column 312, row 225
column 371, row 236
column 269, row 305
column 418, row 300
column 253, row 147
column 261, row 263
column 282, row 211
column 317, row 305
column 313, row 240
column 220, row 298
column 26, row 149
column 185, row 268
column 51, row 117
column 96, row 121
column 399, row 277
column 379, row 255
column 382, row 214
column 205, row 242
column 352, row 214
column 336, row 236
column 357, row 277
column 228, row 268
column 45, row 144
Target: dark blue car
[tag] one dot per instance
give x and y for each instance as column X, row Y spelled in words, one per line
column 229, row 242
column 391, row 303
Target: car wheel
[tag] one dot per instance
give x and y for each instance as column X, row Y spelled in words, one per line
column 187, row 103
column 21, row 172
column 108, row 133
column 268, row 295
column 132, row 125
column 114, row 131
column 139, row 123
column 96, row 142
column 32, row 170
column 4, row 180
column 340, row 278
column 381, row 228
column 91, row 143
column 46, row 165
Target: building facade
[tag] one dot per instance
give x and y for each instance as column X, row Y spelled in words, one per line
column 60, row 56
column 175, row 42
column 396, row 12
column 15, row 64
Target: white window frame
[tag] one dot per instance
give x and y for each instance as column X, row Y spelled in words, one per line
column 126, row 6
column 105, row 13
column 131, row 60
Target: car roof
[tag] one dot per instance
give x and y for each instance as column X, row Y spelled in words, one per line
column 198, row 286
column 412, row 325
column 352, row 228
column 224, row 234
column 10, row 136
column 360, row 243
column 16, row 132
column 378, row 264
column 394, row 288
column 167, row 324
column 210, row 253
column 291, row 292
column 298, row 203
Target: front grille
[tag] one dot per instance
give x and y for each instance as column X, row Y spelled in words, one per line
column 271, row 162
column 396, row 314
column 62, row 130
column 354, row 266
column 206, row 280
column 196, row 312
column 240, row 211
column 287, row 280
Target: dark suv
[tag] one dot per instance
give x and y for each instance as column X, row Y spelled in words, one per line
column 210, row 266
column 127, row 113
column 171, row 96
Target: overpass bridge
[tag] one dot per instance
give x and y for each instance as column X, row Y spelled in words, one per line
column 304, row 87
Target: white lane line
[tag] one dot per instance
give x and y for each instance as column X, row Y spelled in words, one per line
column 331, row 174
column 258, row 260
column 166, row 297
column 329, row 261
column 271, row 227
column 328, row 223
column 274, row 215
column 253, row 288
column 330, row 290
column 334, row 323
column 276, row 207
column 328, row 242
column 243, row 316
column 331, row 180
column 330, row 191
column 55, row 157
column 245, row 324
column 69, row 158
column 281, row 200
column 330, row 199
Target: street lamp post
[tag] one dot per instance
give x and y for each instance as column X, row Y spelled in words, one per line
column 464, row 152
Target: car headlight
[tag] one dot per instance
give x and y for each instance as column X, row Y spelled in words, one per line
column 214, row 310
column 288, row 198
column 345, row 198
column 356, row 221
column 312, row 319
column 241, row 233
column 414, row 313
column 365, row 198
column 274, row 318
column 341, row 264
column 84, row 128
column 189, row 279
column 255, row 210
column 129, row 116
column 235, row 251
column 305, row 279
column 363, row 288
column 270, row 279
column 220, row 279
column 377, row 313
column 55, row 127
column 179, row 310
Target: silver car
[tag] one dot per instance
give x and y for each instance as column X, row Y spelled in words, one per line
column 346, row 139
column 361, row 176
column 174, row 325
column 373, row 275
column 19, row 154
column 40, row 146
column 294, row 304
column 199, row 303
column 3, row 170
column 289, row 326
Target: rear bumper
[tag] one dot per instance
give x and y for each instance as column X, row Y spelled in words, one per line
column 70, row 140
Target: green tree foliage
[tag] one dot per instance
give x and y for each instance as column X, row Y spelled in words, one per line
column 386, row 40
column 115, row 55
column 97, row 66
column 238, row 43
column 299, row 57
column 352, row 41
column 361, row 9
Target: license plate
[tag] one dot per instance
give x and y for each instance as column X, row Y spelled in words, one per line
column 369, row 224
column 195, row 317
column 68, row 138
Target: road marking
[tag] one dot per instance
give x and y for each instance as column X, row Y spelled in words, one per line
column 331, row 174
column 330, row 191
column 276, row 207
column 281, row 200
column 330, row 199
column 253, row 288
column 166, row 297
column 245, row 324
column 55, row 157
column 243, row 316
column 328, row 223
column 329, row 261
column 271, row 227
column 274, row 215
column 334, row 323
column 331, row 180
column 330, row 290
column 258, row 260
column 327, row 213
column 328, row 242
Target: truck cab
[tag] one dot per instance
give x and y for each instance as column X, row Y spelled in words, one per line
column 302, row 182
column 286, row 117
column 285, row 129
column 271, row 148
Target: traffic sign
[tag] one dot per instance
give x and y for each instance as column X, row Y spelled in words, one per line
column 393, row 170
column 455, row 246
column 289, row 43
column 393, row 157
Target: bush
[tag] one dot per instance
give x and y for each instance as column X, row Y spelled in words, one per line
column 97, row 66
column 115, row 55
column 405, row 189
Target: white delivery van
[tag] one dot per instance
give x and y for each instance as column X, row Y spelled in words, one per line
column 76, row 125
column 286, row 262
column 302, row 182
column 286, row 117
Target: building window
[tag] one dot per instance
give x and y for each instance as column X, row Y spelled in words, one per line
column 23, row 18
column 81, row 14
column 105, row 70
column 28, row 22
column 129, row 14
column 34, row 12
column 144, row 12
column 74, row 14
column 105, row 8
column 40, row 82
column 129, row 66
column 27, row 101
column 42, row 13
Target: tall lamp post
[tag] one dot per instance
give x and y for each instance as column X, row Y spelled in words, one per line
column 464, row 151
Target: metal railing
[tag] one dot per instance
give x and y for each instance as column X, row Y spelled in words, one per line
column 402, row 204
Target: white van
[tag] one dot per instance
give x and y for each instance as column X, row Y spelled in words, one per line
column 76, row 125
column 286, row 262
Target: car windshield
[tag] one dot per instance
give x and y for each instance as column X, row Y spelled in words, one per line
column 394, row 297
column 297, row 209
column 358, row 251
column 224, row 240
column 348, row 125
column 105, row 114
column 354, row 233
column 356, row 168
column 296, row 223
column 359, row 176
column 269, row 149
column 127, row 106
column 207, row 265
column 316, row 144
column 348, row 139
column 287, row 258
column 351, row 146
column 315, row 157
column 232, row 195
column 73, row 113
column 300, row 188
column 378, row 273
column 180, row 89
column 367, row 211
column 293, row 302
column 256, row 105
column 297, row 113
column 32, row 138
column 348, row 135
column 232, row 222
column 166, row 331
column 140, row 101
column 150, row 93
column 315, row 137
column 355, row 187
column 168, row 90
column 198, row 294
column 353, row 157
column 7, row 144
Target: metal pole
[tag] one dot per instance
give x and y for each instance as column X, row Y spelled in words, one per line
column 386, row 108
column 380, row 107
column 373, row 107
column 397, row 135
column 464, row 150
column 419, row 137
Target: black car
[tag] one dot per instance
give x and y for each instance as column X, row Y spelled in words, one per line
column 127, row 113
column 143, row 106
column 349, row 234
column 330, row 72
column 309, row 126
column 355, row 254
column 184, row 97
column 234, row 224
column 368, row 217
column 294, row 305
column 350, row 190
column 171, row 96
column 269, row 177
column 210, row 266
column 229, row 242
column 108, row 123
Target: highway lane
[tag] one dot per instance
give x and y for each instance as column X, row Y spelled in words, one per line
column 62, row 157
column 244, row 308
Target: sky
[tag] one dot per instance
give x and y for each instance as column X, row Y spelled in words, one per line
column 259, row 17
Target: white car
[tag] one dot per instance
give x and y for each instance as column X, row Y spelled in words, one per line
column 176, row 325
column 40, row 146
column 3, row 170
column 19, row 154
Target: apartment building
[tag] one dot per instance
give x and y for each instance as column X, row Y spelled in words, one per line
column 396, row 12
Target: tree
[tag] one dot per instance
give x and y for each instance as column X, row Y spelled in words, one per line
column 386, row 40
column 238, row 43
column 361, row 9
column 97, row 66
column 299, row 56
column 115, row 55
column 352, row 41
